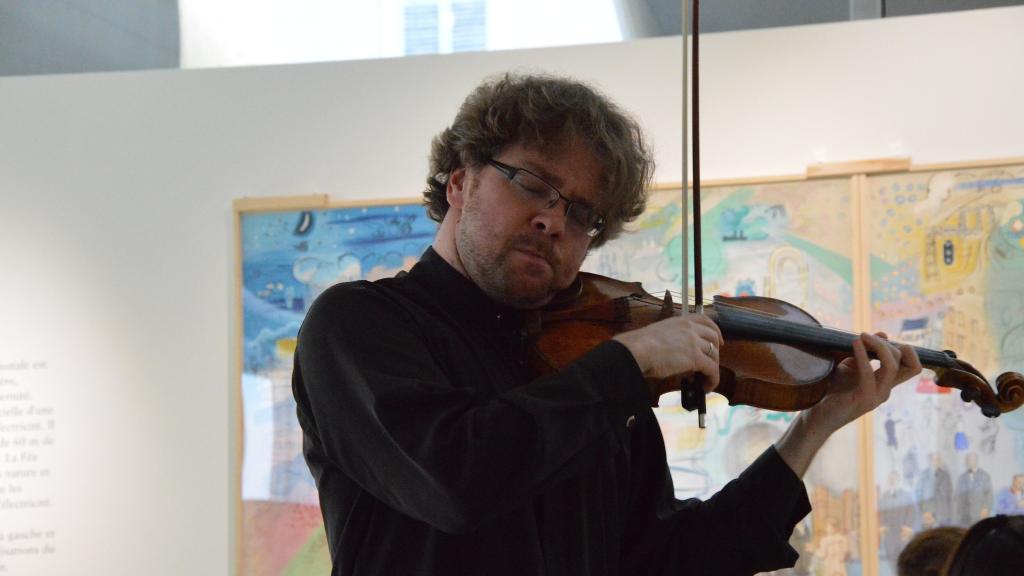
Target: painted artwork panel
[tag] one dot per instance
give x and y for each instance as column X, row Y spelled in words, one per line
column 947, row 273
column 790, row 241
column 288, row 258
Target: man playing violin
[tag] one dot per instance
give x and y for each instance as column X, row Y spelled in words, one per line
column 434, row 449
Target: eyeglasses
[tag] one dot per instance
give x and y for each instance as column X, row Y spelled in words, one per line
column 539, row 193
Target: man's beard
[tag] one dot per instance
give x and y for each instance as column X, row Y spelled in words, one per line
column 494, row 274
column 488, row 265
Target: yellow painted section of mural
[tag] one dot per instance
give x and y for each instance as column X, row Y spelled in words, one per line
column 944, row 224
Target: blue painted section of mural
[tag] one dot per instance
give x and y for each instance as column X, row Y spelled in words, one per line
column 288, row 259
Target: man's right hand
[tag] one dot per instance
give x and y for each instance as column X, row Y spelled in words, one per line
column 679, row 346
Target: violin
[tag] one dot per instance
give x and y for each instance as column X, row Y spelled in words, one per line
column 776, row 356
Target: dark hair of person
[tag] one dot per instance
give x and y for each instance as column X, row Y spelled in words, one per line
column 929, row 550
column 540, row 111
column 992, row 547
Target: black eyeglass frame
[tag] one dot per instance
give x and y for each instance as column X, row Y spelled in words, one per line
column 592, row 222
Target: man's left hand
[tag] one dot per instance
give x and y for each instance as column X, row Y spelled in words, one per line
column 857, row 387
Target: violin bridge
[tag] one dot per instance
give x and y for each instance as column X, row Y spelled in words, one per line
column 667, row 306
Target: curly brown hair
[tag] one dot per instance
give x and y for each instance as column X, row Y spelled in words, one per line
column 541, row 111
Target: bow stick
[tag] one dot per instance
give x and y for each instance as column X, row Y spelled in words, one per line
column 692, row 396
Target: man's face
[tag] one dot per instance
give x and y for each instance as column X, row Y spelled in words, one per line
column 927, row 520
column 519, row 254
column 972, row 462
column 1018, row 482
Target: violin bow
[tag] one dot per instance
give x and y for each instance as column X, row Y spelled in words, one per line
column 692, row 396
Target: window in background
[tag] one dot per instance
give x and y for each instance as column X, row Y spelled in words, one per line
column 469, row 25
column 442, row 26
column 421, row 28
column 253, row 32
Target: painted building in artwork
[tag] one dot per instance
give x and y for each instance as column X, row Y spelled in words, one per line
column 953, row 246
column 914, row 331
column 787, row 277
column 955, row 250
column 965, row 331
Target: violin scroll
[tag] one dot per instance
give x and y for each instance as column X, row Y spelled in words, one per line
column 1010, row 390
column 1008, row 395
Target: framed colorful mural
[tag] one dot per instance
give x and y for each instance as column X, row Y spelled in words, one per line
column 934, row 256
column 289, row 251
column 947, row 273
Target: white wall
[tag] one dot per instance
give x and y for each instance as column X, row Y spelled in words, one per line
column 116, row 240
column 936, row 88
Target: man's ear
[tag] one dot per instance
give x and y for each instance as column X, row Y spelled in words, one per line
column 456, row 191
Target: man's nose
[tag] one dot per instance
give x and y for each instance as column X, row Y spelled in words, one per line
column 551, row 220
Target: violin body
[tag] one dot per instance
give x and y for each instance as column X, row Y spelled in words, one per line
column 776, row 355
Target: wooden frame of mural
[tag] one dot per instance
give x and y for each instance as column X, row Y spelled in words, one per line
column 815, row 239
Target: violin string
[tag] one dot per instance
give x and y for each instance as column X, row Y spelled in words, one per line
column 774, row 323
column 762, row 313
column 677, row 296
column 752, row 312
column 758, row 313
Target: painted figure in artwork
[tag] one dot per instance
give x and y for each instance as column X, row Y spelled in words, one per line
column 974, row 497
column 1011, row 498
column 934, row 492
column 833, row 549
column 898, row 516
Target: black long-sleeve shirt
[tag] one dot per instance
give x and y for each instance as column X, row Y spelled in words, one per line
column 435, row 453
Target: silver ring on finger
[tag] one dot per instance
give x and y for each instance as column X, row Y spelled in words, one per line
column 710, row 351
